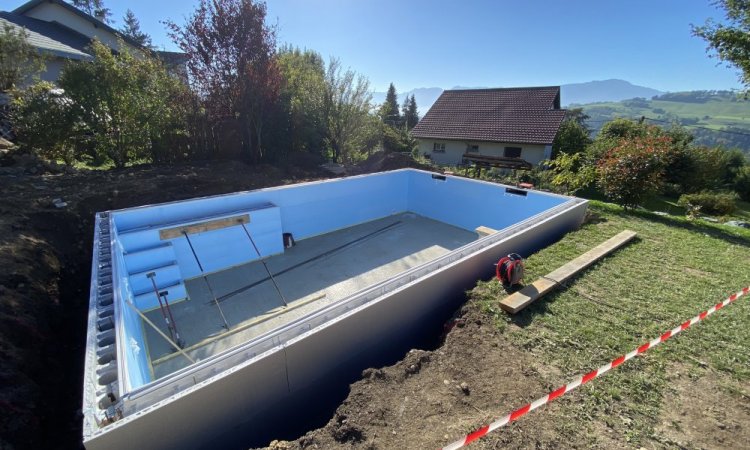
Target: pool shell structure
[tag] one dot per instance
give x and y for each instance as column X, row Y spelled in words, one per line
column 277, row 292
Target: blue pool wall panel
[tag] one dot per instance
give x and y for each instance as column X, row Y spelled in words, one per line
column 131, row 333
column 469, row 204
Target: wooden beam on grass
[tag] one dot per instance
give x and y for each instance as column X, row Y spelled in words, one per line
column 529, row 293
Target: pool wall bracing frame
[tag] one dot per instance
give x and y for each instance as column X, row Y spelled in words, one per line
column 221, row 400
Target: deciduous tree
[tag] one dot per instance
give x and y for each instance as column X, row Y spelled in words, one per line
column 18, row 59
column 231, row 62
column 126, row 104
column 730, row 41
column 302, row 95
column 346, row 108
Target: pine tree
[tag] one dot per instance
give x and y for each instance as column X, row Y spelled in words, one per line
column 132, row 29
column 94, row 8
column 405, row 111
column 389, row 110
column 411, row 115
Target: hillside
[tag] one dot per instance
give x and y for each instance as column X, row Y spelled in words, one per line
column 715, row 117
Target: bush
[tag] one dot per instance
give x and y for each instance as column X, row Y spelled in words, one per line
column 44, row 122
column 634, row 169
column 742, row 182
column 712, row 203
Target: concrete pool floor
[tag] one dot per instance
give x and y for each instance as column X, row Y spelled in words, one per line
column 314, row 273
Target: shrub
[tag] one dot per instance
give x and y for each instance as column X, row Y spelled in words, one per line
column 127, row 102
column 44, row 122
column 742, row 182
column 571, row 173
column 634, row 168
column 712, row 203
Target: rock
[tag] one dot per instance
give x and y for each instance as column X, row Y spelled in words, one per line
column 710, row 219
column 464, row 387
column 5, row 144
column 737, row 223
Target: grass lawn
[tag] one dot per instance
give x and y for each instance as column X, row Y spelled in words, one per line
column 670, row 206
column 672, row 271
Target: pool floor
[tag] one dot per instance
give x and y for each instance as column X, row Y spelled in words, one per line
column 314, row 273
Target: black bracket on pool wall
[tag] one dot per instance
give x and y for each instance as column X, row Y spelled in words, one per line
column 438, row 177
column 514, row 191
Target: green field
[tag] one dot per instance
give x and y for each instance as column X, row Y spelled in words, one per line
column 715, row 118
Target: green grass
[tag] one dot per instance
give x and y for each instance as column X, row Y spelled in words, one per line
column 672, row 271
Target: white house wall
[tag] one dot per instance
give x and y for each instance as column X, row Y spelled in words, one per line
column 454, row 150
column 50, row 12
column 52, row 69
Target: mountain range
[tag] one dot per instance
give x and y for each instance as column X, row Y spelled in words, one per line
column 571, row 94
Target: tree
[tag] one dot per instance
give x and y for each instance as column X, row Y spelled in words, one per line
column 346, row 108
column 232, row 66
column 634, row 169
column 572, row 137
column 731, row 42
column 302, row 93
column 410, row 114
column 18, row 59
column 127, row 104
column 389, row 109
column 132, row 29
column 45, row 121
column 94, row 8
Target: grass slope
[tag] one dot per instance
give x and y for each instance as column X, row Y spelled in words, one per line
column 719, row 111
column 672, row 271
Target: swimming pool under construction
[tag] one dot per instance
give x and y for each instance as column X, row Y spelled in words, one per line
column 211, row 318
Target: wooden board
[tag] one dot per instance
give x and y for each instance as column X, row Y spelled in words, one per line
column 523, row 298
column 202, row 227
column 483, row 231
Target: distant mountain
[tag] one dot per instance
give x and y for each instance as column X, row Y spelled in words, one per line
column 576, row 93
column 603, row 91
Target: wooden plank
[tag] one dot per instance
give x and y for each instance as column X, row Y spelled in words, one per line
column 202, row 227
column 483, row 231
column 529, row 293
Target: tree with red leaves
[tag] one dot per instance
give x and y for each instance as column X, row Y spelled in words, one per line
column 634, row 168
column 232, row 66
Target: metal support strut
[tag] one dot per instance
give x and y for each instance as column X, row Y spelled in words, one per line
column 273, row 280
column 166, row 311
column 205, row 278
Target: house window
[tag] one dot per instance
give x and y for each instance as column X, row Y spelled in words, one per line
column 512, row 152
column 438, row 148
column 472, row 149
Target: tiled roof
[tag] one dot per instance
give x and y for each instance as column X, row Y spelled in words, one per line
column 511, row 115
column 49, row 37
column 96, row 22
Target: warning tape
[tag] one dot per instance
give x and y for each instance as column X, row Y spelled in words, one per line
column 520, row 412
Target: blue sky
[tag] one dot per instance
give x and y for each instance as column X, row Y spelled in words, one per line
column 489, row 43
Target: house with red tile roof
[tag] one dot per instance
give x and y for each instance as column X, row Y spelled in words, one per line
column 504, row 122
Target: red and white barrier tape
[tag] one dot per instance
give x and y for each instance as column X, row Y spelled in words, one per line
column 591, row 375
